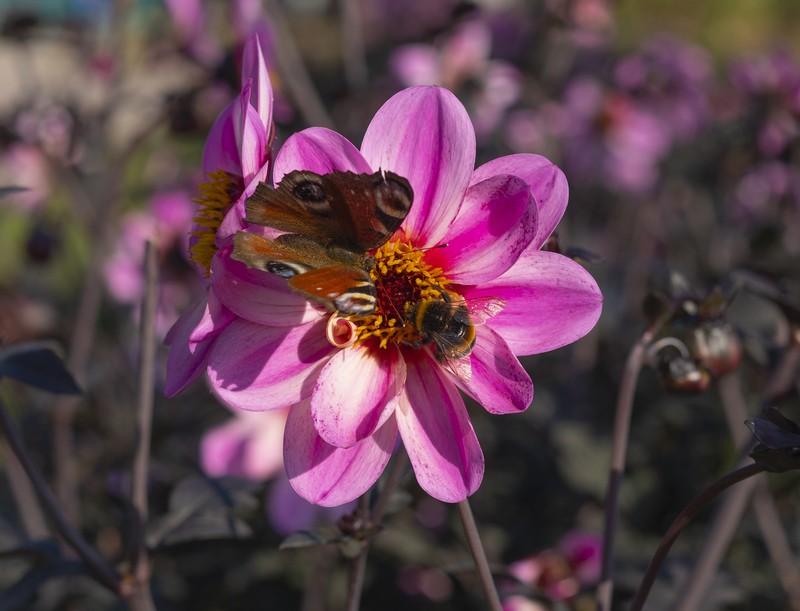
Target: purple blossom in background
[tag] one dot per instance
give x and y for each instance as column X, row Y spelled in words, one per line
column 165, row 223
column 770, row 85
column 672, row 80
column 461, row 58
column 610, row 138
column 250, row 445
column 562, row 572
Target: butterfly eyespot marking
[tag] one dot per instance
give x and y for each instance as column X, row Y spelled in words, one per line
column 285, row 269
column 309, row 191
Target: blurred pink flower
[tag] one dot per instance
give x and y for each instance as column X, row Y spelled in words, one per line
column 611, row 139
column 460, row 58
column 250, row 445
column 191, row 23
column 561, row 572
column 671, row 79
column 770, row 85
column 24, row 165
column 166, row 223
column 263, row 347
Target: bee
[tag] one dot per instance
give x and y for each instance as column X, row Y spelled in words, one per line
column 446, row 327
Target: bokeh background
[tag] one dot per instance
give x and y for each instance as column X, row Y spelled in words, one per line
column 677, row 124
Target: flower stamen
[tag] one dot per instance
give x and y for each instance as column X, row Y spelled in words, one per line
column 402, row 278
column 213, row 201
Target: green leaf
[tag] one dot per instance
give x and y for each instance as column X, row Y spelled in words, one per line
column 39, row 365
column 11, row 190
column 311, row 538
column 204, row 508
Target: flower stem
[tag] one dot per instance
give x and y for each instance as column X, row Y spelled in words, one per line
column 683, row 519
column 139, row 597
column 358, row 565
column 97, row 566
column 618, row 451
column 293, row 70
column 479, row 554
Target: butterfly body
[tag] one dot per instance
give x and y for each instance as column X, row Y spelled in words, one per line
column 331, row 222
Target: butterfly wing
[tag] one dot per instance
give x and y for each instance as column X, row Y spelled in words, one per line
column 342, row 285
column 346, row 289
column 368, row 208
column 299, row 204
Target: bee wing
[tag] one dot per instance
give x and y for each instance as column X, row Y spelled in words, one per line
column 482, row 309
column 461, row 368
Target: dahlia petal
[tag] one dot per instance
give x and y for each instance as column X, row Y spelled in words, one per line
column 547, row 182
column 251, row 135
column 254, row 67
column 425, row 135
column 258, row 368
column 355, row 393
column 258, row 296
column 220, row 151
column 249, row 445
column 496, row 223
column 550, row 300
column 324, row 474
column 499, row 382
column 186, row 358
column 320, row 150
column 438, row 435
column 215, row 318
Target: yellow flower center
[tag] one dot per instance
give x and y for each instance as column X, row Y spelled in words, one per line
column 214, row 199
column 402, row 279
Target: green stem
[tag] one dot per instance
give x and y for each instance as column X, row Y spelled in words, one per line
column 680, row 523
column 619, row 449
column 479, row 555
column 97, row 566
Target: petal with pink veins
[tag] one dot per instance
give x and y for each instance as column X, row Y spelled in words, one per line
column 547, row 182
column 324, row 474
column 550, row 300
column 254, row 67
column 258, row 368
column 437, row 433
column 425, row 135
column 215, row 318
column 320, row 150
column 496, row 223
column 258, row 296
column 221, row 151
column 499, row 382
column 356, row 392
column 251, row 135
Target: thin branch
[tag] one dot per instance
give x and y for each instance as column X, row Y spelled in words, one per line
column 723, row 526
column 147, row 367
column 138, row 593
column 358, row 565
column 683, row 520
column 96, row 565
column 24, row 495
column 355, row 62
column 479, row 555
column 619, row 449
column 294, row 72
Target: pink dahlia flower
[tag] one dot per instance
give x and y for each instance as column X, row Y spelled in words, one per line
column 477, row 232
